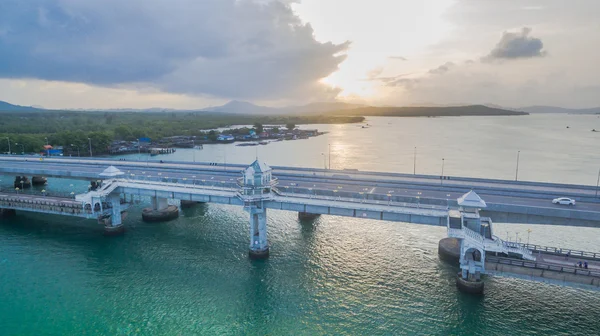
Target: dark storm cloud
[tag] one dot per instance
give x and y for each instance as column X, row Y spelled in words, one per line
column 517, row 45
column 227, row 48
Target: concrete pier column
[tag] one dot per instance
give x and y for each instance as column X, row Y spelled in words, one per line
column 307, row 216
column 22, row 182
column 472, row 263
column 5, row 213
column 185, row 204
column 114, row 226
column 38, row 180
column 259, row 246
column 160, row 211
column 449, row 250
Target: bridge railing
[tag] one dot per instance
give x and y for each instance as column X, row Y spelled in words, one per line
column 186, row 183
column 543, row 266
column 281, row 192
column 557, row 250
column 59, row 194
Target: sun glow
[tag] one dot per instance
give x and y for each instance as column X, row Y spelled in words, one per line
column 378, row 30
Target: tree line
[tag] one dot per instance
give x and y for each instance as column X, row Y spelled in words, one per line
column 29, row 131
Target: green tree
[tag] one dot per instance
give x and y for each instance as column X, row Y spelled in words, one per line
column 258, row 127
column 290, row 126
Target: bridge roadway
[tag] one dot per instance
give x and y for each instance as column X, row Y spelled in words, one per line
column 345, row 183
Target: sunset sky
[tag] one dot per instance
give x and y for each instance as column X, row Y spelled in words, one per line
column 197, row 53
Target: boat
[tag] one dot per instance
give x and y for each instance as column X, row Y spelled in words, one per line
column 264, row 142
column 198, row 147
column 251, row 143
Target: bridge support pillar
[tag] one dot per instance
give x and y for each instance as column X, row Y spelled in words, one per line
column 114, row 226
column 259, row 246
column 22, row 182
column 307, row 216
column 160, row 211
column 4, row 213
column 38, row 180
column 472, row 263
column 188, row 204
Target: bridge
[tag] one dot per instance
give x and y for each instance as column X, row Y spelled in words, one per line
column 431, row 200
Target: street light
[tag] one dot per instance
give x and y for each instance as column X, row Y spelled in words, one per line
column 415, row 162
column 528, row 232
column 22, row 148
column 324, row 161
column 8, row 139
column 47, row 149
column 139, row 149
column 598, row 183
column 329, row 156
column 90, row 141
column 517, row 170
column 72, row 145
column 442, row 177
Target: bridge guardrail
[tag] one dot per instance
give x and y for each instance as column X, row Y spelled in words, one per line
column 361, row 200
column 558, row 251
column 541, row 265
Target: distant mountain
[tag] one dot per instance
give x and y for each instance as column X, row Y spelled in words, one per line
column 242, row 107
column 6, row 107
column 554, row 109
column 430, row 111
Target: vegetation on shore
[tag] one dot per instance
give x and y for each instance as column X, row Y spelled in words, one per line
column 31, row 129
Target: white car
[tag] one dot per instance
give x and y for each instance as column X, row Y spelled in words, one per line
column 563, row 201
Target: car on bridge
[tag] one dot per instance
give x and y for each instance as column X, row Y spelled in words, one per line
column 563, row 201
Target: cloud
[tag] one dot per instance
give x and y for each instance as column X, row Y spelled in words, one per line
column 374, row 73
column 225, row 48
column 400, row 58
column 442, row 69
column 517, row 45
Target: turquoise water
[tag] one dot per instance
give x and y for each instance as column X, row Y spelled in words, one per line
column 192, row 276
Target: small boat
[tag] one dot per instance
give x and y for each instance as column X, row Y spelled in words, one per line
column 568, row 127
column 594, row 130
column 198, row 147
column 264, row 142
column 252, row 143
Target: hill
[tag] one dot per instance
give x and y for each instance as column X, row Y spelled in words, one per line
column 555, row 109
column 430, row 111
column 7, row 107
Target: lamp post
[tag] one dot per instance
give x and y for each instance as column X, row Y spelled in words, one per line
column 139, row 149
column 194, row 149
column 597, row 182
column 329, row 156
column 90, row 141
column 442, row 176
column 324, row 161
column 415, row 162
column 22, row 148
column 517, row 169
column 9, row 151
column 47, row 149
column 528, row 232
column 72, row 145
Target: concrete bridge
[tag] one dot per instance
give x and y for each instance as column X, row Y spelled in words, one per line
column 441, row 201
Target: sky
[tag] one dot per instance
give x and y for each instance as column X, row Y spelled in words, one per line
column 198, row 53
